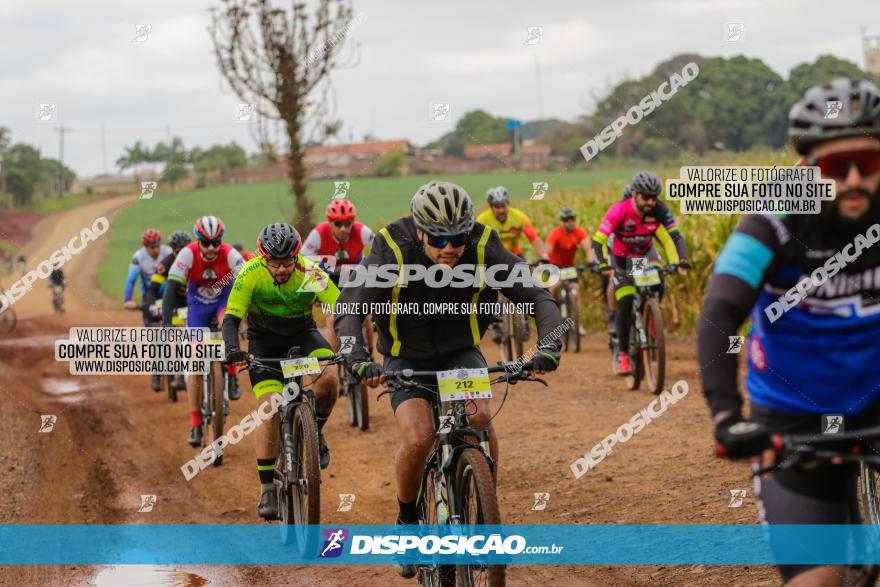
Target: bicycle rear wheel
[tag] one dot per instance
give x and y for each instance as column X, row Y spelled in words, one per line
column 433, row 512
column 507, row 339
column 655, row 352
column 574, row 312
column 635, row 358
column 518, row 332
column 8, row 320
column 477, row 504
column 215, row 389
column 169, row 385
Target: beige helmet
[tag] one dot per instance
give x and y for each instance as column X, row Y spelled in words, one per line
column 442, row 208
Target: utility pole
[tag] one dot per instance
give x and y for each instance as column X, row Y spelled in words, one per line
column 61, row 130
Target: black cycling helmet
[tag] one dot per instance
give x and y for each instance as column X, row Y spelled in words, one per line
column 179, row 239
column 566, row 213
column 856, row 109
column 279, row 241
column 646, row 183
column 627, row 192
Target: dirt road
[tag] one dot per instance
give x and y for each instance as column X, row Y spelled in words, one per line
column 116, row 440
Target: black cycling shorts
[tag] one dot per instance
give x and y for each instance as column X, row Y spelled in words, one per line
column 470, row 358
column 311, row 344
column 822, row 495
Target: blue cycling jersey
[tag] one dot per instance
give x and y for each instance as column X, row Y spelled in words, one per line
column 811, row 353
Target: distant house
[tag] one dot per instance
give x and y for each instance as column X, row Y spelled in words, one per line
column 489, row 150
column 529, row 157
column 350, row 160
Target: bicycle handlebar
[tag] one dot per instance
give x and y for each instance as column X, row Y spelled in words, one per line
column 851, row 447
column 513, row 372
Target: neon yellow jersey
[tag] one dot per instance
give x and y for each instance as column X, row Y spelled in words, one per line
column 514, row 225
column 279, row 309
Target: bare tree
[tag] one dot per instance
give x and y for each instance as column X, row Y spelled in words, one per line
column 279, row 61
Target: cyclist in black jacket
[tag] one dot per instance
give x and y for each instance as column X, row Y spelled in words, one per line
column 441, row 230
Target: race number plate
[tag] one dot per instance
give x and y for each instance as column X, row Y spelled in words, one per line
column 463, row 384
column 303, row 366
column 568, row 273
column 649, row 277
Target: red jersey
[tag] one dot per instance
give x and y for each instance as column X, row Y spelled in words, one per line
column 321, row 243
column 564, row 245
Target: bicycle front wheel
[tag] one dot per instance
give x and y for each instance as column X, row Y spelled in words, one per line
column 654, row 352
column 215, row 389
column 307, row 482
column 361, row 400
column 433, row 511
column 477, row 504
column 869, row 499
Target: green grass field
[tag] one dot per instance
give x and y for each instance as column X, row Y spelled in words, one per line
column 245, row 209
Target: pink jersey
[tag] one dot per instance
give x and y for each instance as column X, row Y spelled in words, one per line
column 632, row 232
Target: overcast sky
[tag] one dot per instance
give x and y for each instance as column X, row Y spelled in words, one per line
column 81, row 56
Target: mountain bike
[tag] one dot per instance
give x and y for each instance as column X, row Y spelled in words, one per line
column 178, row 320
column 854, row 448
column 513, row 327
column 458, row 483
column 297, row 467
column 570, row 306
column 215, row 397
column 356, row 393
column 647, row 340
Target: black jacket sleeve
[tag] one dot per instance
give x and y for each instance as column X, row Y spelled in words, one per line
column 727, row 304
column 169, row 300
column 230, row 332
column 347, row 322
column 546, row 310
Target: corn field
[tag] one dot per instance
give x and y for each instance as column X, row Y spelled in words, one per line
column 705, row 235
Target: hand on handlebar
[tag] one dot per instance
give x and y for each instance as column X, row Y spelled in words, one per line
column 683, row 267
column 737, row 438
column 238, row 357
column 369, row 372
column 545, row 360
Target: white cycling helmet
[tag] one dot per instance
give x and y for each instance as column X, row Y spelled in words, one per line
column 498, row 195
column 442, row 208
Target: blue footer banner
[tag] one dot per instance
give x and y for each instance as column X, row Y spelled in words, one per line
column 266, row 544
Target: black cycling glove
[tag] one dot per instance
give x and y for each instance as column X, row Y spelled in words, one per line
column 236, row 356
column 367, row 370
column 738, row 438
column 546, row 360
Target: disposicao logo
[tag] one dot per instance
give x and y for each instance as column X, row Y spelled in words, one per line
column 334, row 542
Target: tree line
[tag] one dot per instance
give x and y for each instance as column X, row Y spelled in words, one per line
column 25, row 175
column 735, row 103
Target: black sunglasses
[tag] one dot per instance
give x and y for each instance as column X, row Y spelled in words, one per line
column 440, row 242
column 341, row 223
column 214, row 243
